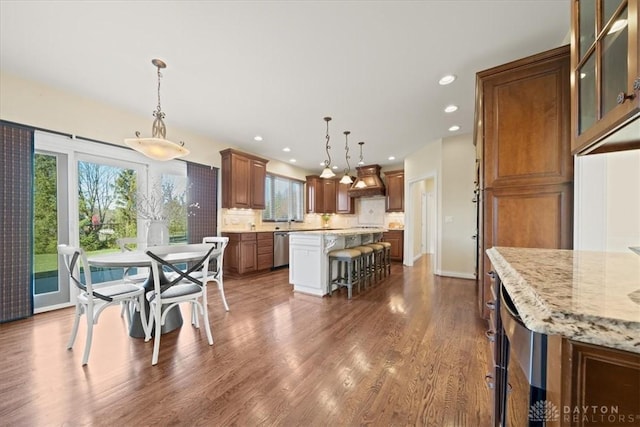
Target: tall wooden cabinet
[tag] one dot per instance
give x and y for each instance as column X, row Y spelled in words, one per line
column 243, row 180
column 525, row 167
column 328, row 196
column 605, row 65
column 394, row 181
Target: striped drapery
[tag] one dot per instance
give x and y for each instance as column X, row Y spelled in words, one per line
column 203, row 183
column 16, row 222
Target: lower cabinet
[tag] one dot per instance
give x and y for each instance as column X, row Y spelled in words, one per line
column 265, row 250
column 396, row 238
column 601, row 386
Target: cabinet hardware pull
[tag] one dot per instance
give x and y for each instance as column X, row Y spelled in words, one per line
column 623, row 97
column 489, row 380
column 491, row 335
column 492, row 274
column 491, row 305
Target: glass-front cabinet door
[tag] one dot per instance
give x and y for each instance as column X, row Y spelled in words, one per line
column 605, row 81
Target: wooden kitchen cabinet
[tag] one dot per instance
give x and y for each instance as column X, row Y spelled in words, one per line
column 328, row 196
column 396, row 238
column 600, row 386
column 525, row 168
column 264, row 250
column 241, row 254
column 243, row 180
column 605, row 80
column 395, row 190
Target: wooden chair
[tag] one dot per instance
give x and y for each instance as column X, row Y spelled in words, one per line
column 184, row 286
column 93, row 299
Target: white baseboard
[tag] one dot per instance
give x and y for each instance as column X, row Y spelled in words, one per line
column 456, row 274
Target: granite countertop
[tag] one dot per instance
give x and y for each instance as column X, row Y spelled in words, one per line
column 591, row 297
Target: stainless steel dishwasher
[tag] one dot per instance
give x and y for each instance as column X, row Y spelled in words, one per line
column 280, row 248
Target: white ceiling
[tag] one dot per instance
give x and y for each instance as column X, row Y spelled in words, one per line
column 237, row 69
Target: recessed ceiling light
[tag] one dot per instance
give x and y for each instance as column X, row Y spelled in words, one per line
column 448, row 79
column 335, row 167
column 454, row 128
column 450, row 108
column 287, row 149
column 292, row 160
column 321, row 163
column 257, row 138
column 392, row 158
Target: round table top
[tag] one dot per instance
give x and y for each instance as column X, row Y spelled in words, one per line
column 139, row 258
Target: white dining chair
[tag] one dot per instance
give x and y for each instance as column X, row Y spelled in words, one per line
column 216, row 274
column 93, row 299
column 141, row 275
column 184, row 286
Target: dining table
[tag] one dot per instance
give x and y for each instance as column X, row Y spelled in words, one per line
column 139, row 259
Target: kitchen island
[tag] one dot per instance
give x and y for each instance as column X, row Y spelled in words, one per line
column 308, row 259
column 565, row 335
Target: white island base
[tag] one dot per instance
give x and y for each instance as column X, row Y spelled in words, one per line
column 308, row 255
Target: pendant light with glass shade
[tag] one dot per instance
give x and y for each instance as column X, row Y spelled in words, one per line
column 346, row 179
column 359, row 182
column 157, row 147
column 327, row 172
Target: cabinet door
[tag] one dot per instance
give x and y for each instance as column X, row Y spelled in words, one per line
column 240, row 182
column 314, row 194
column 395, row 191
column 232, row 254
column 344, row 203
column 258, row 177
column 329, row 195
column 248, row 257
column 600, row 385
column 526, row 122
column 605, row 61
column 396, row 238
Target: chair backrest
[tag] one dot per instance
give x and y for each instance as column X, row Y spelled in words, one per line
column 197, row 256
column 74, row 259
column 220, row 243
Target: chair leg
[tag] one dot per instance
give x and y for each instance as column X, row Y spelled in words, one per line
column 87, row 344
column 205, row 320
column 221, row 289
column 143, row 316
column 74, row 328
column 156, row 341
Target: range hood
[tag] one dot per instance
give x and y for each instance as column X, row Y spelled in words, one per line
column 370, row 176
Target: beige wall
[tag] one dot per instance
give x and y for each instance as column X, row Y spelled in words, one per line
column 444, row 167
column 31, row 103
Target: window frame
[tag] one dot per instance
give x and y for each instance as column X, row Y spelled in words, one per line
column 292, row 215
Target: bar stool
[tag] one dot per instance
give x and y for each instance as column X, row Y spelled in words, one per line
column 387, row 257
column 378, row 259
column 348, row 264
column 366, row 264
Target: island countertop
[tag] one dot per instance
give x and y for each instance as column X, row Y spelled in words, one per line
column 343, row 232
column 591, row 297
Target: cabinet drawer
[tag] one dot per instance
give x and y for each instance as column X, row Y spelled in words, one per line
column 263, row 250
column 265, row 261
column 264, row 237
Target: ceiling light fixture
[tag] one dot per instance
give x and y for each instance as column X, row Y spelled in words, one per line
column 157, row 147
column 287, row 149
column 454, row 128
column 361, row 161
column 360, row 182
column 327, row 172
column 450, row 108
column 448, row 79
column 257, row 138
column 346, row 179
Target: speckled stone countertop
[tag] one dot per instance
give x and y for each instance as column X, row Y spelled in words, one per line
column 343, row 232
column 591, row 297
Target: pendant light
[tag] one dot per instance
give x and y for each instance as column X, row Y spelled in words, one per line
column 327, row 172
column 157, row 147
column 346, row 179
column 360, row 183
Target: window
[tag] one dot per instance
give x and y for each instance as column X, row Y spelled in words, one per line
column 284, row 199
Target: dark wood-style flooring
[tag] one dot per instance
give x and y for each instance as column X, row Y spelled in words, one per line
column 409, row 351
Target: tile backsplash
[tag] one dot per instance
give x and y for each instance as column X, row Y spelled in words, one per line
column 370, row 212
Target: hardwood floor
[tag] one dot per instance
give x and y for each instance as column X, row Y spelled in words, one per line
column 409, row 351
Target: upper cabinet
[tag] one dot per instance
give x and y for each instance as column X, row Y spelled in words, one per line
column 243, row 180
column 328, row 196
column 605, row 79
column 395, row 190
